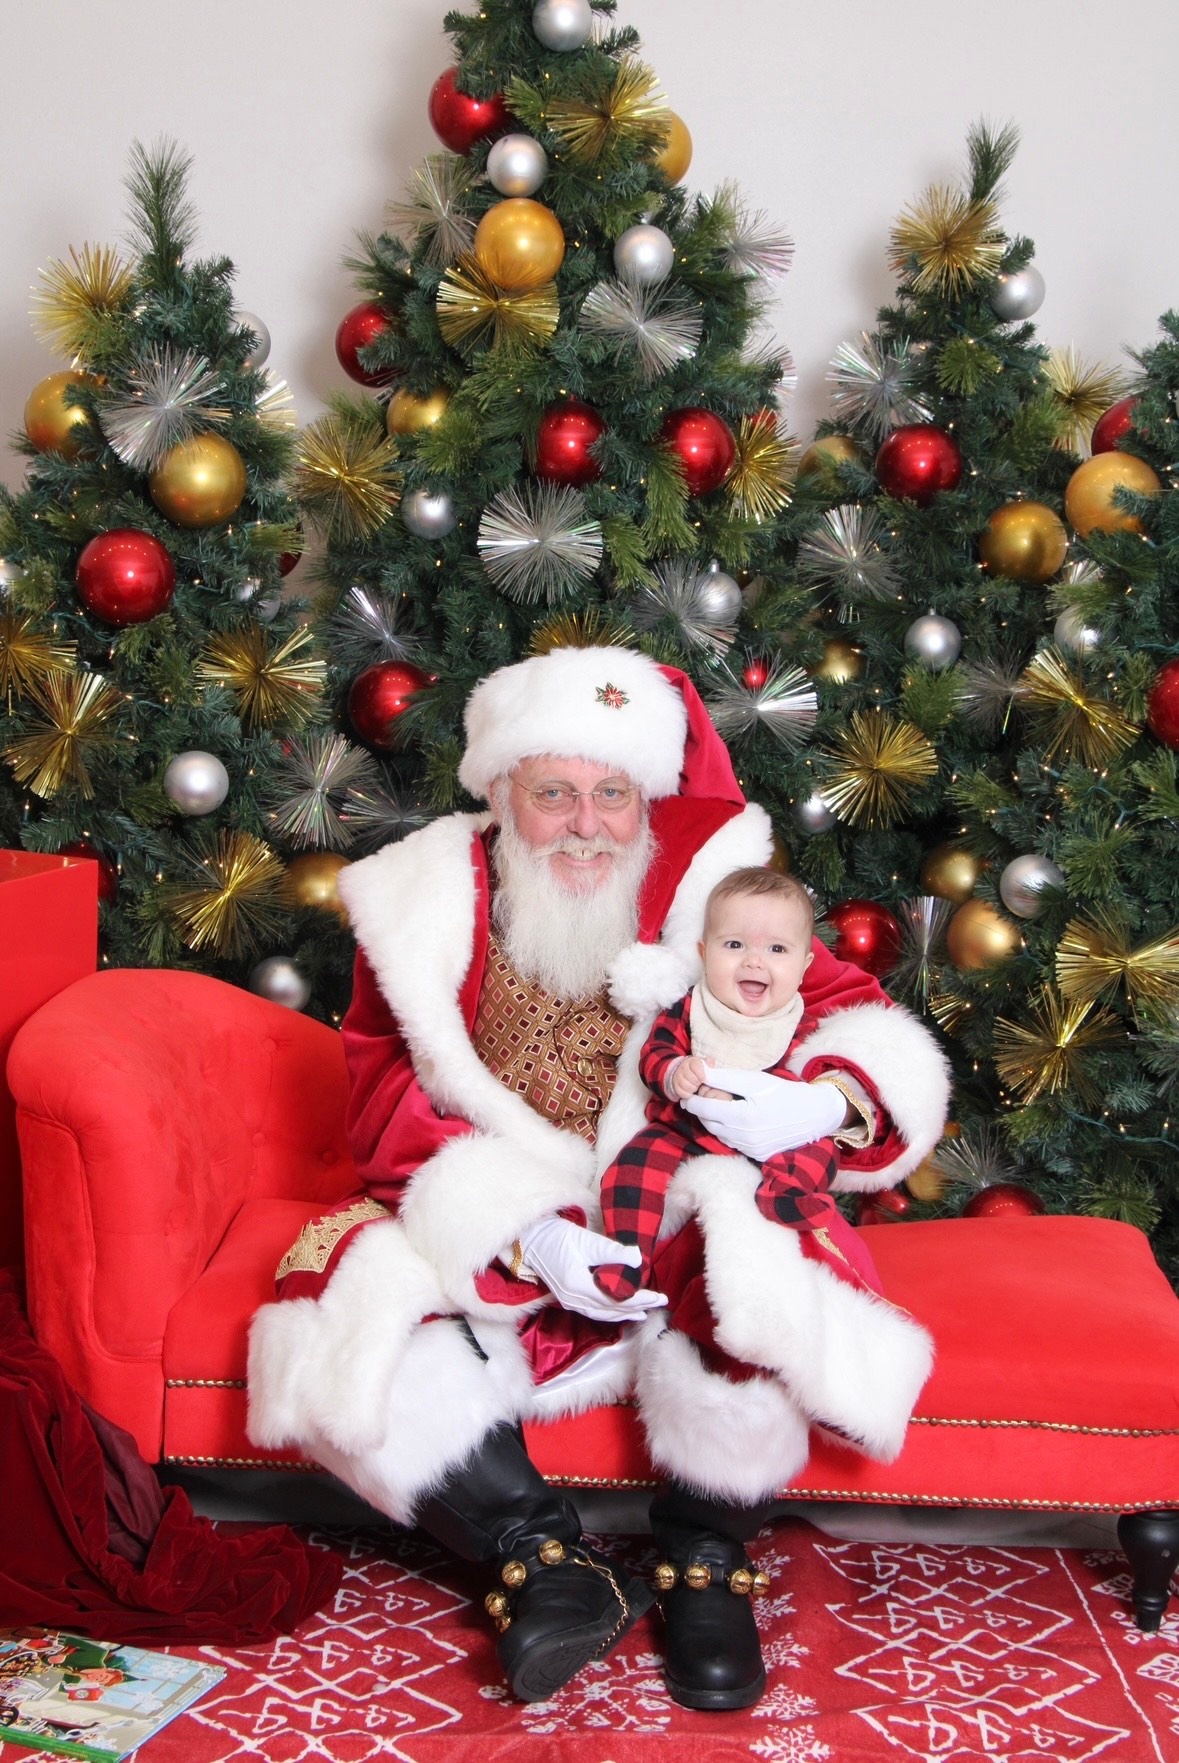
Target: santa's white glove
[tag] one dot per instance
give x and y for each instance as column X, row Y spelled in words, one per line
column 564, row 1255
column 774, row 1113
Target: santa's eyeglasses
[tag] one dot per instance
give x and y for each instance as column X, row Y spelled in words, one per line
column 611, row 796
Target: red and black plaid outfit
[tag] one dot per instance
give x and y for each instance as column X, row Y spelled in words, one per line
column 795, row 1188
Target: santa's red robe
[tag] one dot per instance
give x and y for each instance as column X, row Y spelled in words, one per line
column 350, row 1371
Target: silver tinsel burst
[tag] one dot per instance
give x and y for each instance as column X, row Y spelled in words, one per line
column 844, row 552
column 363, row 631
column 538, row 543
column 310, row 784
column 979, row 1158
column 786, row 704
column 374, row 815
column 658, row 327
column 682, row 595
column 923, row 926
column 434, row 209
column 162, row 401
column 990, row 690
column 753, row 246
column 874, row 387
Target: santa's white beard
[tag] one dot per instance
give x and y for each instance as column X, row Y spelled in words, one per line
column 553, row 932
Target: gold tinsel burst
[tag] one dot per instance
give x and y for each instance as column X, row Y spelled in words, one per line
column 345, row 477
column 764, row 468
column 956, row 242
column 28, row 655
column 272, row 685
column 632, row 115
column 1046, row 1055
column 1095, row 957
column 237, row 904
column 473, row 310
column 591, row 629
column 949, row 1010
column 880, row 762
column 1082, row 391
column 1090, row 730
column 77, row 296
column 75, row 708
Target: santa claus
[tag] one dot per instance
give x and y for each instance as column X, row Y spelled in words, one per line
column 510, row 964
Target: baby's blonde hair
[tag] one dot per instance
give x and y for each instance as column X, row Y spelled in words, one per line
column 761, row 881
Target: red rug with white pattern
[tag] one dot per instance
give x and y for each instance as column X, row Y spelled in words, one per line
column 940, row 1654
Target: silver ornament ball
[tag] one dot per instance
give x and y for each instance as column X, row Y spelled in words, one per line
column 720, row 597
column 562, row 25
column 517, row 165
column 644, row 254
column 10, row 574
column 1072, row 633
column 249, row 321
column 428, row 514
column 813, row 815
column 1023, row 883
column 1018, row 295
column 935, row 642
column 264, row 606
column 281, row 980
column 196, row 782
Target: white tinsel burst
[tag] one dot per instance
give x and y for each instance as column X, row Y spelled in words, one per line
column 311, row 782
column 275, row 404
column 374, row 815
column 683, row 595
column 786, row 704
column 844, row 552
column 923, row 926
column 990, row 690
column 753, row 246
column 538, row 543
column 874, row 387
column 363, row 631
column 659, row 327
column 165, row 399
column 979, row 1157
column 434, row 209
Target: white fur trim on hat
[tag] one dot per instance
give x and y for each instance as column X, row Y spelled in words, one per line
column 610, row 705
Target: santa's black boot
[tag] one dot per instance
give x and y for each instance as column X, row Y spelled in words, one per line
column 559, row 1604
column 706, row 1585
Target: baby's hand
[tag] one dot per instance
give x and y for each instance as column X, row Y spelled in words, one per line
column 712, row 1095
column 687, row 1078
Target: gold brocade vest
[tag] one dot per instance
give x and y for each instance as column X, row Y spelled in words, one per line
column 561, row 1055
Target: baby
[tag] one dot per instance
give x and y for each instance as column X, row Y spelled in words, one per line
column 746, row 1011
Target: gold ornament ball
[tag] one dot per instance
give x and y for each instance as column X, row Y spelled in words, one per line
column 826, row 454
column 978, row 936
column 842, row 661
column 52, row 425
column 1024, row 541
column 519, row 244
column 312, row 881
column 199, row 482
column 1089, row 498
column 950, row 871
column 675, row 156
column 927, row 1183
column 409, row 413
column 780, row 856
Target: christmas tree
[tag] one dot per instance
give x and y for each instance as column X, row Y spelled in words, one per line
column 156, row 691
column 568, row 433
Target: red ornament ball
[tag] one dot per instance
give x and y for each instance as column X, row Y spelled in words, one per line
column 868, row 935
column 379, row 696
column 566, row 434
column 1109, row 429
column 755, row 673
column 917, row 462
column 704, row 446
column 108, row 875
column 460, row 120
column 125, row 576
column 1003, row 1199
column 357, row 329
column 1162, row 707
column 883, row 1208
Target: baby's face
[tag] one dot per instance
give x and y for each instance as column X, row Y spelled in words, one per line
column 755, row 951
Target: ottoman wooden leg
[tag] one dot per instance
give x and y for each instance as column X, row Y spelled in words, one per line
column 1151, row 1544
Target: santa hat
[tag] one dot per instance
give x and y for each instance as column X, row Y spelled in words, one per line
column 615, row 706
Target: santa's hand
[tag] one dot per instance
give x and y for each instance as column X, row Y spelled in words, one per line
column 564, row 1256
column 771, row 1113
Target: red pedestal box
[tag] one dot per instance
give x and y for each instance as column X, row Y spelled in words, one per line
column 48, row 939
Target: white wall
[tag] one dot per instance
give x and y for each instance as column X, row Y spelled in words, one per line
column 306, row 117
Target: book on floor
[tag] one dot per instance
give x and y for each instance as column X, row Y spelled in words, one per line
column 95, row 1699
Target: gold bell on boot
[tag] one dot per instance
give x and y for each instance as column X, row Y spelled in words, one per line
column 513, row 1574
column 498, row 1608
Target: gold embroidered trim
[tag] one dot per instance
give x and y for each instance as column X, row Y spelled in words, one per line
column 832, row 1247
column 853, row 1138
column 1111, row 1432
column 312, row 1248
column 973, row 1501
column 204, row 1383
column 294, row 1467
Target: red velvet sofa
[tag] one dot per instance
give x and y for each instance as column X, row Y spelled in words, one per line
column 176, row 1133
